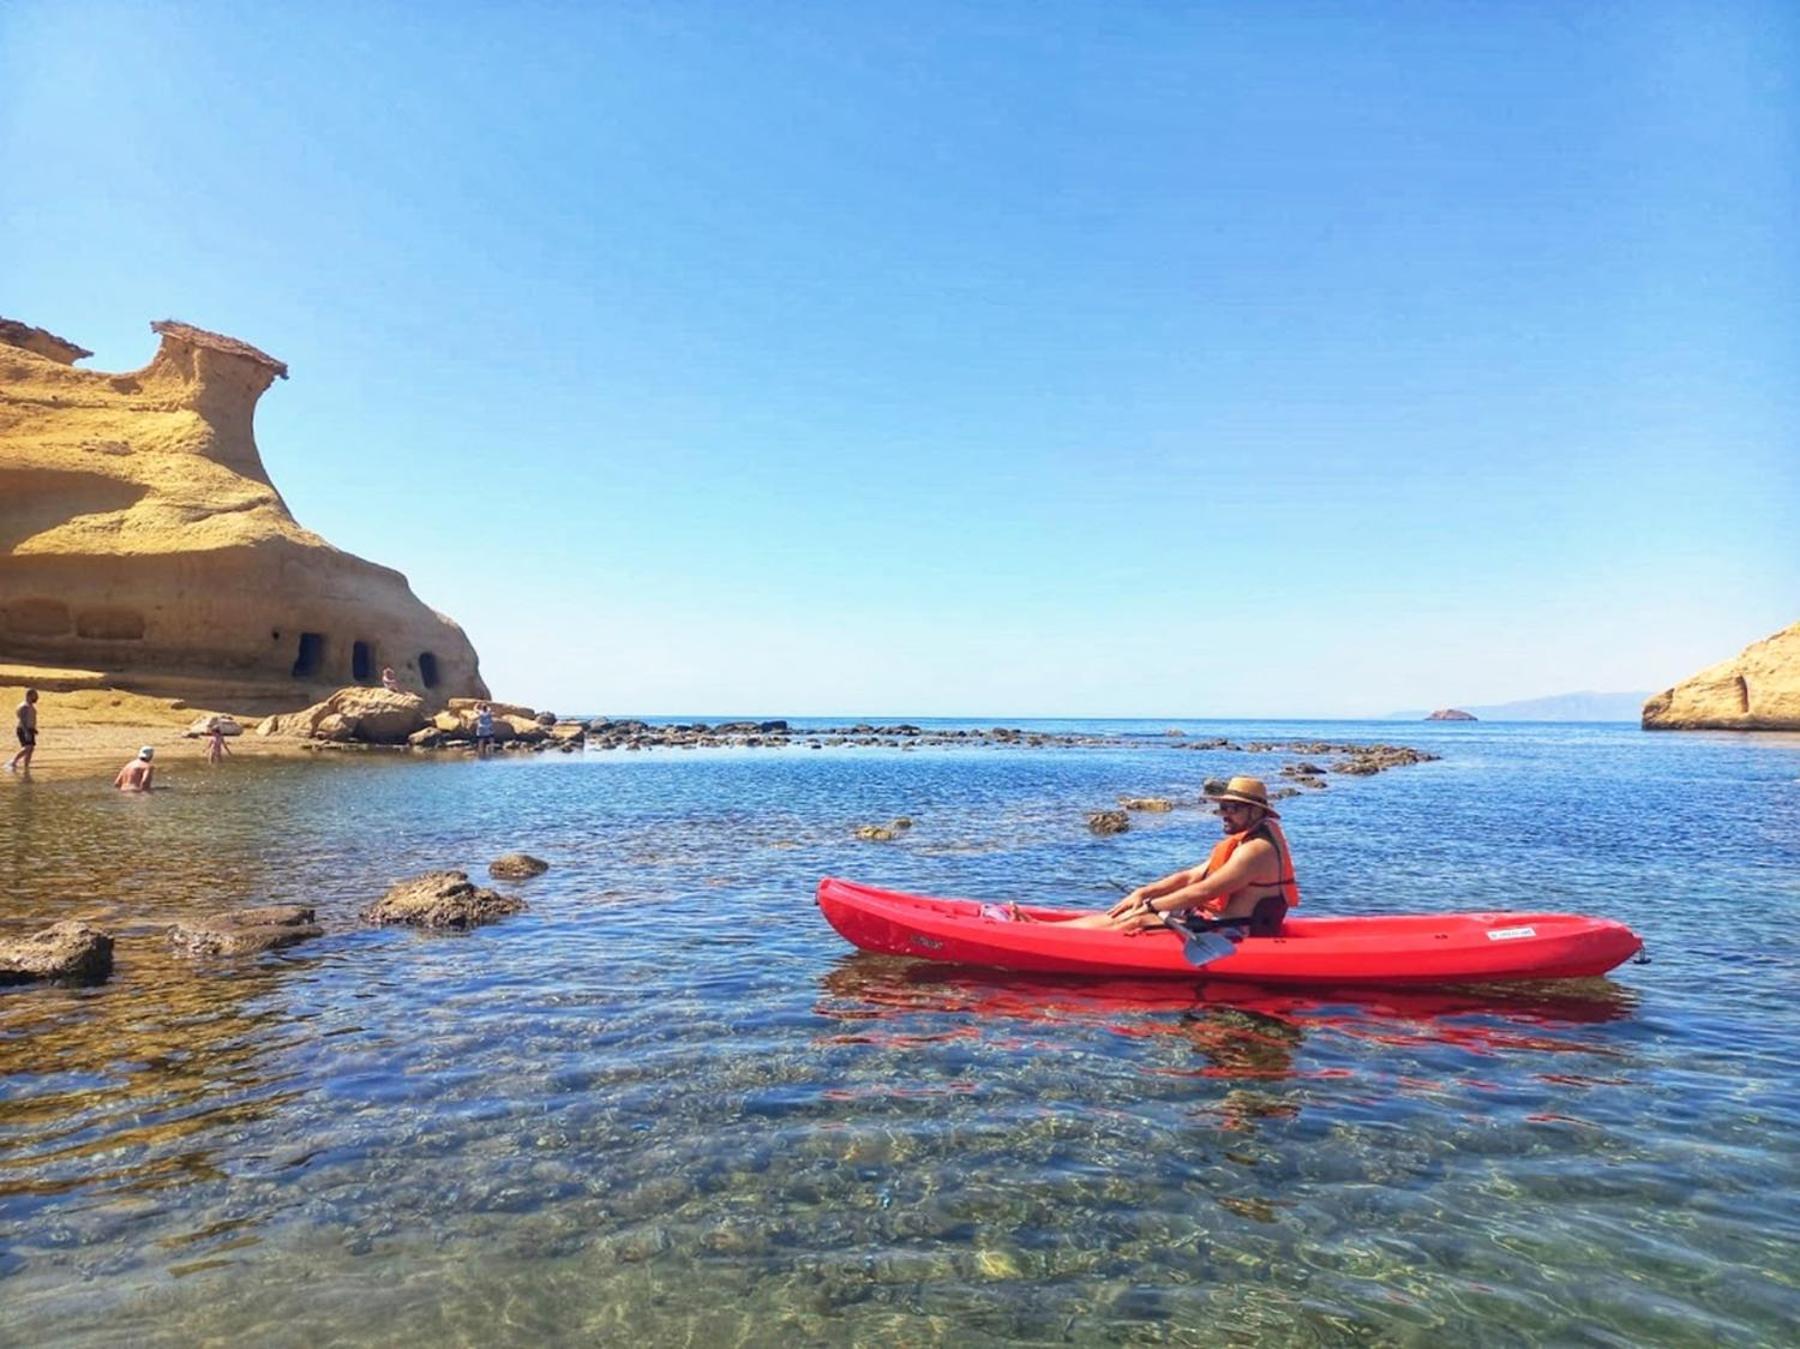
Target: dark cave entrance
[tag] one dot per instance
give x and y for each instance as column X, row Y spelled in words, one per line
column 311, row 658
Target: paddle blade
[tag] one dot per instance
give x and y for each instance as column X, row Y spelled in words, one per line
column 1202, row 948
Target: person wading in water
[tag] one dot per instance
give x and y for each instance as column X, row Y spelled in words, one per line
column 26, row 731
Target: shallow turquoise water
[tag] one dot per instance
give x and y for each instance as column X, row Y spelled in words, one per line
column 669, row 1103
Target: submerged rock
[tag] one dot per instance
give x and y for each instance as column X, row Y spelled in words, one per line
column 517, row 866
column 1155, row 805
column 245, row 931
column 1366, row 760
column 67, row 952
column 1360, row 760
column 884, row 833
column 441, row 899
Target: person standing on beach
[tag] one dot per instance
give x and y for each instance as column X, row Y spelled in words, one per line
column 137, row 773
column 484, row 730
column 216, row 748
column 26, row 731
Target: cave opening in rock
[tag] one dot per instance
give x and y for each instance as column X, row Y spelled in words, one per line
column 362, row 663
column 428, row 670
column 311, row 658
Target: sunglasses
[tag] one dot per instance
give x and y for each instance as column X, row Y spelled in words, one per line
column 1233, row 808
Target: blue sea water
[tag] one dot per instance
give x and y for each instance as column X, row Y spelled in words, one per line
column 669, row 1103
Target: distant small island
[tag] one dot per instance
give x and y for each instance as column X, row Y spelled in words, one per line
column 1584, row 706
column 1452, row 714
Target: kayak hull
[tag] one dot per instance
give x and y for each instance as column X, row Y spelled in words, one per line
column 1387, row 951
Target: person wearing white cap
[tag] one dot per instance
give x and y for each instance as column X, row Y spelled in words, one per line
column 135, row 776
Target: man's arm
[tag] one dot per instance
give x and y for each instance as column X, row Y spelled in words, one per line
column 1174, row 881
column 1250, row 859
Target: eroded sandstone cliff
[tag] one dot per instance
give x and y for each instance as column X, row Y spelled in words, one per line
column 1756, row 690
column 140, row 537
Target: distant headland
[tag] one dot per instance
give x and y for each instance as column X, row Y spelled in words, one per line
column 1756, row 690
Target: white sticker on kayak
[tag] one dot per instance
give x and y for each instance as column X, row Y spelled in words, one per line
column 1509, row 933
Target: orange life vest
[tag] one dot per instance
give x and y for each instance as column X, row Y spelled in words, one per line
column 1225, row 847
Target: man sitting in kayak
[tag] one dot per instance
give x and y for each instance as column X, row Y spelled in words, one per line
column 1250, row 874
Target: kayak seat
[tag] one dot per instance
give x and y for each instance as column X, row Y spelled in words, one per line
column 1266, row 917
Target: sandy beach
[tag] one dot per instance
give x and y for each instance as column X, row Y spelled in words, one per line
column 84, row 731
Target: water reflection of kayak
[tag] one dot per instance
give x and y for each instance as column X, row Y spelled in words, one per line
column 905, row 986
column 1242, row 1032
column 1389, row 950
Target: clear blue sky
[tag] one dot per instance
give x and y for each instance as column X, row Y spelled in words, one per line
column 1092, row 359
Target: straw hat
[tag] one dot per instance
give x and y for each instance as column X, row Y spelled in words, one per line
column 1249, row 791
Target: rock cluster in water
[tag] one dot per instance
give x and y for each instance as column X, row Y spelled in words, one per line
column 606, row 734
column 74, row 953
column 1353, row 761
column 369, row 718
column 357, row 717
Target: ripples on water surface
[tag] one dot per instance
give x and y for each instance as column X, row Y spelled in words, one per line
column 669, row 1103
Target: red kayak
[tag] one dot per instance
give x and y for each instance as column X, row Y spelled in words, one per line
column 1450, row 948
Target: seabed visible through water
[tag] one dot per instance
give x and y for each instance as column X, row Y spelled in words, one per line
column 669, row 1103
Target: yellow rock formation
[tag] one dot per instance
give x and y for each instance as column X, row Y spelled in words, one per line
column 1756, row 690
column 141, row 539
